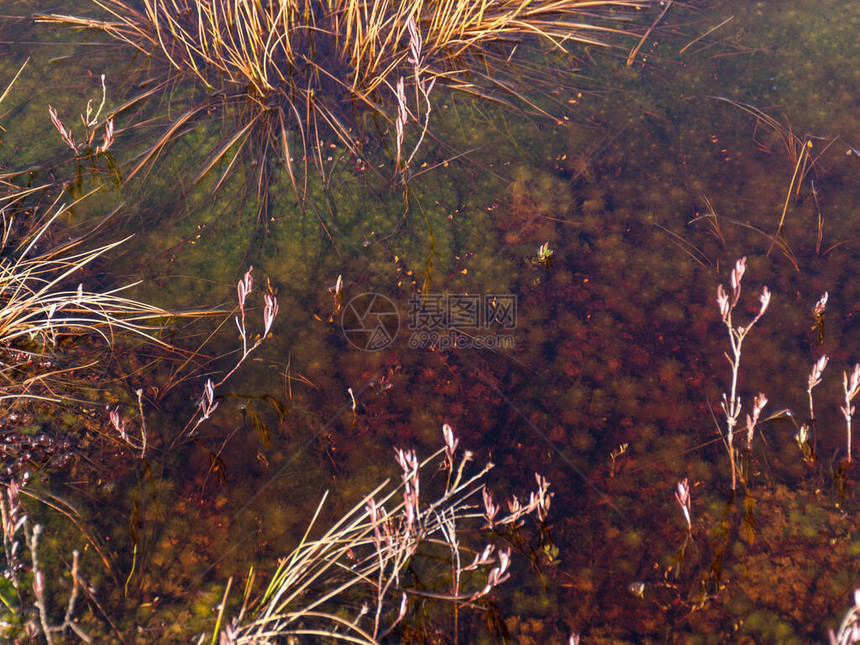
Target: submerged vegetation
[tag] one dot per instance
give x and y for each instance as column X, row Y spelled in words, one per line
column 150, row 500
column 289, row 70
column 44, row 323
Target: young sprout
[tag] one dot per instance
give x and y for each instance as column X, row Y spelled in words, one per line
column 814, row 379
column 758, row 405
column 615, row 454
column 802, row 436
column 208, row 402
column 818, row 316
column 337, row 291
column 802, row 439
column 90, row 121
column 682, row 495
column 851, row 386
column 544, row 255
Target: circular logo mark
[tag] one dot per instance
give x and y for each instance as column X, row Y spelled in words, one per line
column 370, row 322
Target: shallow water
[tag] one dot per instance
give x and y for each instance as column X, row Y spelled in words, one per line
column 650, row 185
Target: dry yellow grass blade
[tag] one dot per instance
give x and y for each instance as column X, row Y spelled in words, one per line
column 43, row 300
column 260, row 44
column 307, row 63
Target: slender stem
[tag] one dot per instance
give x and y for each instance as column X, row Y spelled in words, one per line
column 38, row 583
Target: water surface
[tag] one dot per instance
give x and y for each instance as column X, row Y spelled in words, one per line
column 652, row 181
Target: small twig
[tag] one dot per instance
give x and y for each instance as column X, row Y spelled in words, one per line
column 635, row 50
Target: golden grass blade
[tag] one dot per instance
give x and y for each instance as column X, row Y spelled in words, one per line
column 288, row 158
column 780, row 243
column 794, row 176
column 694, row 252
column 635, row 50
column 221, row 609
column 706, row 34
column 219, row 154
column 351, row 556
column 36, row 304
column 791, row 142
column 805, row 162
column 336, row 60
column 12, row 82
column 53, row 213
column 713, row 220
column 165, row 138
